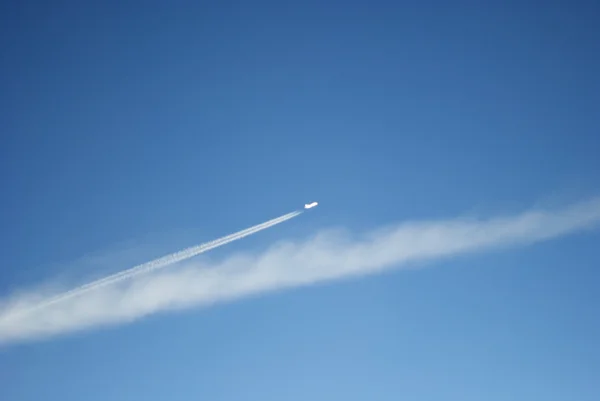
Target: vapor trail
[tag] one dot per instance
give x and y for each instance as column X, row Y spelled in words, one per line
column 327, row 255
column 164, row 261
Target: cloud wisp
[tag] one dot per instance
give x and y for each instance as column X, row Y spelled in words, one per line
column 328, row 255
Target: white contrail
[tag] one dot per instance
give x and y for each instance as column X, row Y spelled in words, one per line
column 164, row 261
column 323, row 257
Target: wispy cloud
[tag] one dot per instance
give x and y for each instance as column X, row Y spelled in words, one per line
column 330, row 254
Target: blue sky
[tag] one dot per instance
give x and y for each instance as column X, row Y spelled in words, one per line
column 131, row 131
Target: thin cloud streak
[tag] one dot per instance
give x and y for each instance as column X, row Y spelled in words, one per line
column 329, row 255
column 162, row 262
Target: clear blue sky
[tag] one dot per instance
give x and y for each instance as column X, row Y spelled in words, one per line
column 124, row 120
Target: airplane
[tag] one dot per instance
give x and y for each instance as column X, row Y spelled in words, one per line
column 310, row 205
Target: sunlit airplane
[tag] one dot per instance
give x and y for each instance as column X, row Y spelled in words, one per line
column 311, row 205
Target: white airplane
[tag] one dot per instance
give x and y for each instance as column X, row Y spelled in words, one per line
column 310, row 205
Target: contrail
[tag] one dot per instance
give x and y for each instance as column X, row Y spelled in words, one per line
column 327, row 255
column 164, row 261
